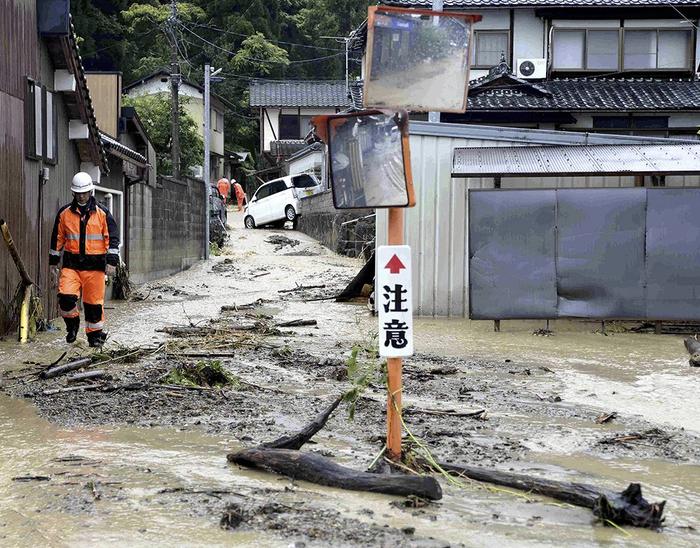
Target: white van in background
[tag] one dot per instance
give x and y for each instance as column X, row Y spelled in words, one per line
column 277, row 202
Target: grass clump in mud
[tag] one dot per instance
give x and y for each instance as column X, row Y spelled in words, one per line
column 364, row 369
column 207, row 374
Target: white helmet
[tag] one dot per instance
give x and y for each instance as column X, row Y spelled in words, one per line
column 82, row 182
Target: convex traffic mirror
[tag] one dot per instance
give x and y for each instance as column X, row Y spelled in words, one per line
column 417, row 60
column 369, row 159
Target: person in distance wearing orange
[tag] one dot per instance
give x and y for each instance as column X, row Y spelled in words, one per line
column 224, row 188
column 88, row 236
column 240, row 195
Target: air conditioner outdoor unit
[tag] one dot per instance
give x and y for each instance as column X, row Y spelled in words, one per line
column 532, row 68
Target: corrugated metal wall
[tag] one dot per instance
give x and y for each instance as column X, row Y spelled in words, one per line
column 436, row 229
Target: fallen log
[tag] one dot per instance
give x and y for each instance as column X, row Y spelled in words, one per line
column 187, row 331
column 363, row 277
column 282, row 457
column 297, row 323
column 59, row 370
column 478, row 414
column 323, row 471
column 692, row 345
column 625, row 508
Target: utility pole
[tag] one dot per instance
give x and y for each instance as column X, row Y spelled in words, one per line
column 208, row 77
column 174, row 90
column 207, row 158
column 437, row 6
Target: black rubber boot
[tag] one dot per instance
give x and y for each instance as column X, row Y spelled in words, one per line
column 97, row 338
column 72, row 327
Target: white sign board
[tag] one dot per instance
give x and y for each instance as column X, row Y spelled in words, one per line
column 394, row 297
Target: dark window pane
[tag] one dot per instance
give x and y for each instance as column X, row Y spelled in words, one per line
column 304, row 181
column 650, row 122
column 612, row 122
column 289, row 126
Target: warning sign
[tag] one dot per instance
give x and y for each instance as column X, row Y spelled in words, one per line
column 393, row 295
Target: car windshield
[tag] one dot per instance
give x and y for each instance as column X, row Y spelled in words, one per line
column 304, row 181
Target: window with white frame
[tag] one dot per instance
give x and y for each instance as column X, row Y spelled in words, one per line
column 657, row 49
column 621, row 49
column 217, row 121
column 489, row 46
column 40, row 123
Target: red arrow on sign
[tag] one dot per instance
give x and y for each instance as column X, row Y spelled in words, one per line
column 395, row 265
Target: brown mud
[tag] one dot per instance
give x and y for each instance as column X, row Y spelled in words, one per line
column 281, row 377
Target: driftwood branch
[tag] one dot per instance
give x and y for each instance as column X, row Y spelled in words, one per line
column 625, row 508
column 89, row 376
column 301, row 288
column 281, row 456
column 7, row 236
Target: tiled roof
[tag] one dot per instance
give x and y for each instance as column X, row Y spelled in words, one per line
column 299, row 93
column 286, row 147
column 543, row 3
column 585, row 94
column 123, row 150
column 592, row 94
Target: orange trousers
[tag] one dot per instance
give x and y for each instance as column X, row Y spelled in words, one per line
column 90, row 284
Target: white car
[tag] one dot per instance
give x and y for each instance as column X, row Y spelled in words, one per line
column 277, row 202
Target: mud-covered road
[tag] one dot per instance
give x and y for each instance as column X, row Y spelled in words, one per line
column 145, row 462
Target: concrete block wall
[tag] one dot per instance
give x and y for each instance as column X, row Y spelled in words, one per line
column 320, row 220
column 166, row 228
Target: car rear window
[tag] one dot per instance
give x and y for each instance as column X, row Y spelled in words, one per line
column 304, row 181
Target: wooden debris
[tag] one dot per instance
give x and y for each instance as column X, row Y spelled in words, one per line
column 625, row 508
column 282, row 456
column 479, row 414
column 31, row 478
column 53, row 391
column 605, row 417
column 57, row 371
column 302, row 288
column 89, row 376
column 297, row 323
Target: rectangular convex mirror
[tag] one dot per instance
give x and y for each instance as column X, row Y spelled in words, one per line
column 417, row 60
column 369, row 159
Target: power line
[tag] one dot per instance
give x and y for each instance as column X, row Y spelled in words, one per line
column 682, row 14
column 255, row 58
column 297, row 44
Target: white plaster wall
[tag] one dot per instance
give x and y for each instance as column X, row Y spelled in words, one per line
column 528, row 36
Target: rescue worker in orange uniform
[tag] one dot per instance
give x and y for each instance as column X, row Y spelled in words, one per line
column 224, row 188
column 240, row 195
column 88, row 236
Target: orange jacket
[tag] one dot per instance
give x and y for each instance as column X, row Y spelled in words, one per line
column 239, row 191
column 224, row 188
column 88, row 237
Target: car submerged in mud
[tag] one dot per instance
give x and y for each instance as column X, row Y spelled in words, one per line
column 277, row 202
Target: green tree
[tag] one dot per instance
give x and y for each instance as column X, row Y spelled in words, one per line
column 154, row 112
column 258, row 57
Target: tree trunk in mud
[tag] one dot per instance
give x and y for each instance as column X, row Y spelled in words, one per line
column 318, row 469
column 282, row 457
column 625, row 508
column 693, row 347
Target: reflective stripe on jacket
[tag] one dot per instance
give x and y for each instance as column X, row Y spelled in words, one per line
column 89, row 241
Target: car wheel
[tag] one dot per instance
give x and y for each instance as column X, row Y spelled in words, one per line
column 249, row 222
column 290, row 213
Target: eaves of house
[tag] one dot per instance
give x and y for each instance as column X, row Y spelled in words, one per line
column 65, row 55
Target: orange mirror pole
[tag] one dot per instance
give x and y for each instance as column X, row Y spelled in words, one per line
column 393, row 405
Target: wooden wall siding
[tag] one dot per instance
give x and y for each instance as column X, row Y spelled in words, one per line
column 18, row 45
column 105, row 95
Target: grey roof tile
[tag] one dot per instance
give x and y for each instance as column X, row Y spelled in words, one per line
column 542, row 3
column 584, row 94
column 299, row 93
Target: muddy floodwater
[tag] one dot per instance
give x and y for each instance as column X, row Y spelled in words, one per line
column 148, row 467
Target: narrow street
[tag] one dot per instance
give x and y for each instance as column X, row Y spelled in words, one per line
column 145, row 464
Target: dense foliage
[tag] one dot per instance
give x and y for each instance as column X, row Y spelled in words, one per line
column 246, row 38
